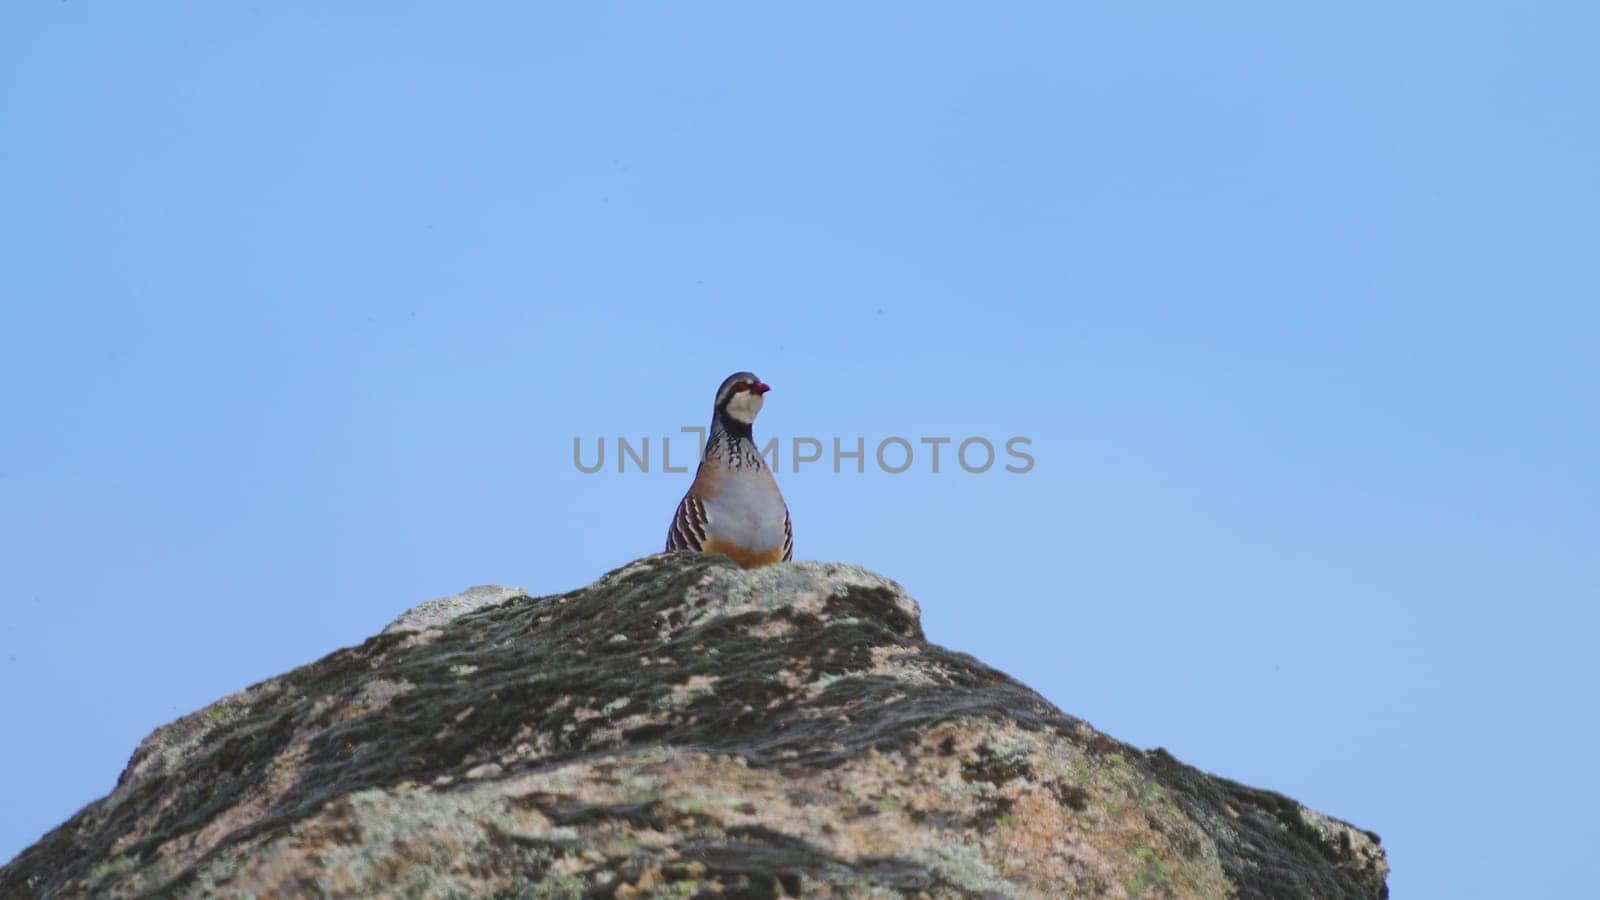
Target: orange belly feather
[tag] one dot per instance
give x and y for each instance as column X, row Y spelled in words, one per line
column 747, row 559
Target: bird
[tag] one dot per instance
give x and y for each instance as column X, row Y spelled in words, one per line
column 733, row 506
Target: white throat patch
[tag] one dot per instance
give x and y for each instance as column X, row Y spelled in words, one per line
column 744, row 406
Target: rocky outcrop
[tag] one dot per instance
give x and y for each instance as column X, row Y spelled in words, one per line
column 680, row 728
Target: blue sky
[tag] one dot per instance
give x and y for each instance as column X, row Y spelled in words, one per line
column 302, row 308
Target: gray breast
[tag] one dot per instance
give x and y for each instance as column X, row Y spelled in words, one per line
column 747, row 510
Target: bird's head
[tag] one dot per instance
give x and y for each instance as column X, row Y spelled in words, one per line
column 740, row 398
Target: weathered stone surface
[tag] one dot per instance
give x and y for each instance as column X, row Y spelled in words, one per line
column 680, row 728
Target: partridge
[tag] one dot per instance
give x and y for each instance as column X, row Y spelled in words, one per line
column 733, row 507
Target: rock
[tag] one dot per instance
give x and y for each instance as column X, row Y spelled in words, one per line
column 439, row 612
column 680, row 728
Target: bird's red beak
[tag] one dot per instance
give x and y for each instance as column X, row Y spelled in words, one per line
column 760, row 388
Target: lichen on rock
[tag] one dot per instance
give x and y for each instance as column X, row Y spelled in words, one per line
column 680, row 728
